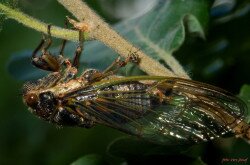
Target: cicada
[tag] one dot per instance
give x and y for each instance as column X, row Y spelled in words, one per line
column 163, row 110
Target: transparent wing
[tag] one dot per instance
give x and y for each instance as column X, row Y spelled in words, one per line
column 170, row 111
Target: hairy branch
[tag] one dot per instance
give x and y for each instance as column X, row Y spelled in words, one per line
column 100, row 30
column 38, row 25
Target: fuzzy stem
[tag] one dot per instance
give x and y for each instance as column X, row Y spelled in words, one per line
column 101, row 31
column 38, row 25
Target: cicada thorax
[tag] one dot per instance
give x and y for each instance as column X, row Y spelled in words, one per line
column 44, row 98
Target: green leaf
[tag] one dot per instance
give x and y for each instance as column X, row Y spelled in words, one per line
column 136, row 151
column 130, row 148
column 198, row 161
column 195, row 151
column 159, row 32
column 245, row 96
column 2, row 19
column 225, row 53
column 162, row 29
column 194, row 26
column 91, row 159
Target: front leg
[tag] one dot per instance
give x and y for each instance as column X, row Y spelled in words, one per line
column 78, row 52
column 72, row 67
column 46, row 61
column 94, row 75
column 69, row 72
column 118, row 63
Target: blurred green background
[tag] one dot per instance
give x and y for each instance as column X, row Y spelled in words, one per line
column 222, row 59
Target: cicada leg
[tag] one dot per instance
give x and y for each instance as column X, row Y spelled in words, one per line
column 61, row 51
column 47, row 39
column 93, row 75
column 134, row 57
column 46, row 61
column 118, row 63
column 243, row 130
column 81, row 27
column 72, row 68
column 78, row 51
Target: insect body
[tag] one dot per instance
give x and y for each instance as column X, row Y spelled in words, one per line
column 163, row 110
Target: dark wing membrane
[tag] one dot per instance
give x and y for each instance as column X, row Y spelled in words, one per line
column 171, row 111
column 222, row 105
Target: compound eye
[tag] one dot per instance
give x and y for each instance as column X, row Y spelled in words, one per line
column 31, row 99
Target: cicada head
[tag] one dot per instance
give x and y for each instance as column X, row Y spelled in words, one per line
column 41, row 104
column 46, row 106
